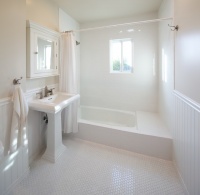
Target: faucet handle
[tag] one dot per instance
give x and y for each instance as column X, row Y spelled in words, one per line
column 46, row 92
column 41, row 95
column 51, row 91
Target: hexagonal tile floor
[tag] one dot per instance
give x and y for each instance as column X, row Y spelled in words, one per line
column 88, row 168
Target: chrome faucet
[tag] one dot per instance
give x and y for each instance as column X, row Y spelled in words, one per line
column 48, row 92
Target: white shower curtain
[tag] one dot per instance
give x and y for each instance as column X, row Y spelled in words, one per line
column 68, row 80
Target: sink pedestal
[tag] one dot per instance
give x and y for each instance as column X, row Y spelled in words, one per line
column 55, row 146
column 53, row 105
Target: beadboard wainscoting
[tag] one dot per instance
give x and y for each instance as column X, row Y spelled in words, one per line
column 5, row 122
column 12, row 167
column 186, row 137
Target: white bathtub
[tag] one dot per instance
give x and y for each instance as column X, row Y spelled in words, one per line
column 132, row 131
column 118, row 119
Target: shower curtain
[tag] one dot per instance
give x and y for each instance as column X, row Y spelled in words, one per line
column 68, row 81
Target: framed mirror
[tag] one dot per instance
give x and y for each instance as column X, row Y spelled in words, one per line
column 45, row 57
column 42, row 51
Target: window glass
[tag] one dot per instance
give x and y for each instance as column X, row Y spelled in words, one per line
column 121, row 56
column 127, row 56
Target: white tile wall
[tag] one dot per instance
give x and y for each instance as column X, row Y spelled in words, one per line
column 187, row 142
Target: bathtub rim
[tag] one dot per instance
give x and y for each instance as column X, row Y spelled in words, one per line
column 117, row 127
column 103, row 108
column 137, row 128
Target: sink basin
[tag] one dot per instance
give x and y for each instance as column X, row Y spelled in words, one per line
column 53, row 103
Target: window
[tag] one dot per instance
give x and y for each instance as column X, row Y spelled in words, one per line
column 121, row 60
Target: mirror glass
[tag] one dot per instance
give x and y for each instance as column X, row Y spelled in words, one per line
column 45, row 57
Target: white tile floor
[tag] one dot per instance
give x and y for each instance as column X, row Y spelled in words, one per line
column 89, row 169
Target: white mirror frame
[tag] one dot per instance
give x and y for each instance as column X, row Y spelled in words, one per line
column 33, row 32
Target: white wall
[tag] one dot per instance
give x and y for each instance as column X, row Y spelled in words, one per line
column 187, row 78
column 45, row 13
column 12, row 56
column 166, row 63
column 12, row 44
column 137, row 91
column 67, row 23
column 186, row 131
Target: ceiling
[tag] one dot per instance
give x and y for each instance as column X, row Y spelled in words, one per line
column 93, row 10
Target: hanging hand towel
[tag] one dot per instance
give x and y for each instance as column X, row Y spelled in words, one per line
column 18, row 125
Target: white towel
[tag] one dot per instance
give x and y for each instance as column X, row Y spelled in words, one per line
column 18, row 135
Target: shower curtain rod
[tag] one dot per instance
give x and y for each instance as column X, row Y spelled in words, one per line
column 124, row 24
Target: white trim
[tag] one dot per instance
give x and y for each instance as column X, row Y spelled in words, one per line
column 28, row 94
column 41, row 77
column 31, row 24
column 187, row 100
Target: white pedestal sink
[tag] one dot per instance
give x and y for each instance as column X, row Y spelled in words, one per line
column 53, row 105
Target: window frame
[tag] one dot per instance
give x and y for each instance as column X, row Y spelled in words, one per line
column 122, row 63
